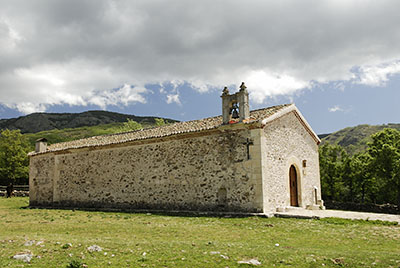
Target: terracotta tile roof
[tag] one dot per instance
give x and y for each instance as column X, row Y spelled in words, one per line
column 157, row 132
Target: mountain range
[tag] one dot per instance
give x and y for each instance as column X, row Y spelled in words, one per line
column 37, row 122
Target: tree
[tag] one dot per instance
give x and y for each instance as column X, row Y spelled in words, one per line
column 330, row 170
column 364, row 183
column 131, row 125
column 385, row 152
column 13, row 156
column 159, row 122
column 347, row 177
column 372, row 176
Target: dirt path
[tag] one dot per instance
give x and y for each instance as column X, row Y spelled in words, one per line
column 303, row 213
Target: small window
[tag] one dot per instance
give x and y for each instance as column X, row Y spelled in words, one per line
column 304, row 163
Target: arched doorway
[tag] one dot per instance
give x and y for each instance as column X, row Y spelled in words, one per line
column 294, row 198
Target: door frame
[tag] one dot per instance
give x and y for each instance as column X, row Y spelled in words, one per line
column 294, row 192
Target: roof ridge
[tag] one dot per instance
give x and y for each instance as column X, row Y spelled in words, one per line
column 175, row 123
column 271, row 107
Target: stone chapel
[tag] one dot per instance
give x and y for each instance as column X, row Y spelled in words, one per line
column 259, row 161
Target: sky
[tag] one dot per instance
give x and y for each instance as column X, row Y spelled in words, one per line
column 338, row 60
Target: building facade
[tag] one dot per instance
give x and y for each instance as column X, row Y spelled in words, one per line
column 259, row 161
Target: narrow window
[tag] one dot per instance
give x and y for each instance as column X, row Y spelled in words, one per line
column 304, row 163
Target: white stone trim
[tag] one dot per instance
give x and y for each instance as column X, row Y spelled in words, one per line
column 294, row 161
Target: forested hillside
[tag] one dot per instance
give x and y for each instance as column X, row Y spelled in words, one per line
column 355, row 139
column 37, row 122
column 358, row 168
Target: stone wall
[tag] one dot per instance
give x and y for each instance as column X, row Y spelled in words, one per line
column 286, row 142
column 201, row 171
column 41, row 173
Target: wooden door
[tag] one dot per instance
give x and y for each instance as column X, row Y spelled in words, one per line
column 293, row 187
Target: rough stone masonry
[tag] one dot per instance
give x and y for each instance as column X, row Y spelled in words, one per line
column 238, row 162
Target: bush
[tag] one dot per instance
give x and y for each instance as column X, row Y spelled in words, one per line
column 75, row 264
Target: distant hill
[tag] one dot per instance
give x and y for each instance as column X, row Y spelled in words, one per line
column 37, row 122
column 70, row 134
column 355, row 139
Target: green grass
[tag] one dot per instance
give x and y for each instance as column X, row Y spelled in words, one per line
column 146, row 240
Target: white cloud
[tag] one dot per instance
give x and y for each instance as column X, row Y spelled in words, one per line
column 28, row 107
column 264, row 84
column 335, row 108
column 74, row 83
column 170, row 89
column 173, row 98
column 124, row 95
column 378, row 75
column 76, row 52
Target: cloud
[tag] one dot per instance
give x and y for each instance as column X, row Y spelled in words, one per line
column 9, row 37
column 28, row 107
column 173, row 98
column 264, row 84
column 335, row 108
column 124, row 95
column 378, row 75
column 72, row 83
column 78, row 52
column 170, row 89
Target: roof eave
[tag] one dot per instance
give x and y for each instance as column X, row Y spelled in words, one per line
column 303, row 121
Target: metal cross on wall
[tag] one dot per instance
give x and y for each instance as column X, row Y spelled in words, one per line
column 248, row 143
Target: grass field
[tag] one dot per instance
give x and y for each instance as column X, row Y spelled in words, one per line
column 60, row 238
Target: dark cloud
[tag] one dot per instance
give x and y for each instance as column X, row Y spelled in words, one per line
column 80, row 49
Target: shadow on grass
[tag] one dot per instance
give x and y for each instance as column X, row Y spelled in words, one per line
column 173, row 213
column 340, row 221
column 208, row 214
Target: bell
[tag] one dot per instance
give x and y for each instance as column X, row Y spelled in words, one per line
column 235, row 114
